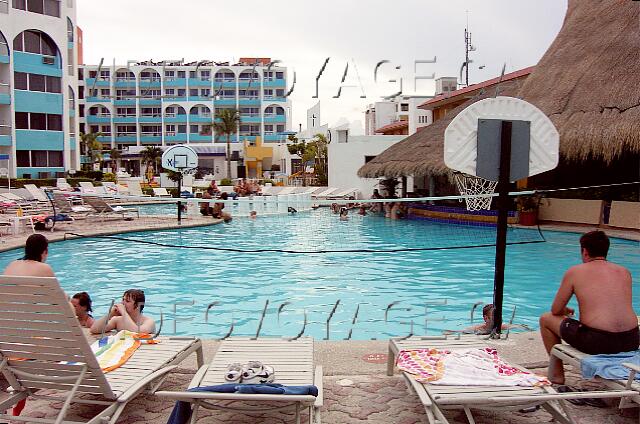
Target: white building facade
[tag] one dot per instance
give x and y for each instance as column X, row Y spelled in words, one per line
column 38, row 87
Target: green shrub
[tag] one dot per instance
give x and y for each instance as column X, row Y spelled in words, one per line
column 226, row 182
column 109, row 176
column 148, row 191
column 173, row 192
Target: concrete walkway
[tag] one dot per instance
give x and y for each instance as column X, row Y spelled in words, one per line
column 357, row 390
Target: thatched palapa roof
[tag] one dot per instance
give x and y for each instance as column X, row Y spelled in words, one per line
column 587, row 83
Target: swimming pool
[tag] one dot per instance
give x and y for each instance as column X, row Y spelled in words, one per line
column 434, row 289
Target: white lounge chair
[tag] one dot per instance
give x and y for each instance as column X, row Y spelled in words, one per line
column 37, row 193
column 63, row 185
column 161, row 192
column 44, row 347
column 292, row 361
column 572, row 356
column 104, row 209
column 343, row 194
column 287, row 190
column 324, row 194
column 86, row 187
column 436, row 398
column 135, row 189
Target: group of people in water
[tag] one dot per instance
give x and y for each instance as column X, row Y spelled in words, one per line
column 242, row 188
column 125, row 315
column 391, row 210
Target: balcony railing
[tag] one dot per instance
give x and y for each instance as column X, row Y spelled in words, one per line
column 207, row 115
column 151, row 116
column 125, row 79
column 126, row 134
column 152, row 134
column 224, row 80
column 152, row 79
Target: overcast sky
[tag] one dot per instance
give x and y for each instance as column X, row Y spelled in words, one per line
column 303, row 33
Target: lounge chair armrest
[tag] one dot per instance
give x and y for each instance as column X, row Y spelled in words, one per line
column 197, row 378
column 317, row 380
column 631, row 366
column 135, row 389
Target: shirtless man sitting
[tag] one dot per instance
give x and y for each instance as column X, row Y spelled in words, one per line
column 608, row 323
column 126, row 315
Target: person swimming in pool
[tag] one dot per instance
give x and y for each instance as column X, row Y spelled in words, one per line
column 608, row 323
column 81, row 303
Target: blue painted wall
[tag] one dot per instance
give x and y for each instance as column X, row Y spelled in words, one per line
column 32, row 63
column 33, row 101
column 39, row 140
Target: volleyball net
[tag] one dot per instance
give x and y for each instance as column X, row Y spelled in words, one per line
column 294, row 223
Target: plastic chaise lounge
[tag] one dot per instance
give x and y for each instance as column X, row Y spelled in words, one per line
column 161, row 192
column 344, row 194
column 44, row 347
column 572, row 356
column 104, row 209
column 436, row 398
column 325, row 193
column 292, row 361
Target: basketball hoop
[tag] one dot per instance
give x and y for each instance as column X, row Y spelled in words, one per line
column 468, row 185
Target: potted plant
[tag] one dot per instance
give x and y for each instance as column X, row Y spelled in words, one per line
column 528, row 210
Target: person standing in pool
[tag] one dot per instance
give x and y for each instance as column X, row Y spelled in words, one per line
column 36, row 251
column 126, row 315
column 608, row 323
column 81, row 303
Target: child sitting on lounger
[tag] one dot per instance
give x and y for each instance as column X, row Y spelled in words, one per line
column 126, row 315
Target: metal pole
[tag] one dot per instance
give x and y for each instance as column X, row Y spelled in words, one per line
column 501, row 237
column 179, row 202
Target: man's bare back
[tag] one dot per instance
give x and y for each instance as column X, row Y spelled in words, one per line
column 603, row 290
column 29, row 269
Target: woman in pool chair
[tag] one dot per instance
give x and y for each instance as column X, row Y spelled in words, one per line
column 126, row 315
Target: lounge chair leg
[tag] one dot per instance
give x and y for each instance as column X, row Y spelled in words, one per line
column 557, row 414
column 194, row 413
column 297, row 413
column 469, row 415
column 390, row 361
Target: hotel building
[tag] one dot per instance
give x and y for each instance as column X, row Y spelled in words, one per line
column 170, row 102
column 38, row 87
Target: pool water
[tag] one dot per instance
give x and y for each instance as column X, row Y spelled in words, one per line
column 202, row 291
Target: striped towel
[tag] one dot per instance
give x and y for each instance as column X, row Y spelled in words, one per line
column 114, row 351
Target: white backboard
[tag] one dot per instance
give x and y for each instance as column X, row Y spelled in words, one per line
column 460, row 137
column 179, row 158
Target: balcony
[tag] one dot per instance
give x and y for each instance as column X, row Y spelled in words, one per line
column 272, row 118
column 5, row 135
column 200, row 118
column 5, row 94
column 126, row 137
column 178, row 82
column 281, row 83
column 197, row 137
column 194, row 82
column 124, row 119
column 150, row 118
column 99, row 82
column 95, row 99
column 174, row 118
column 125, row 82
column 173, row 136
column 151, row 137
column 99, row 119
column 125, row 101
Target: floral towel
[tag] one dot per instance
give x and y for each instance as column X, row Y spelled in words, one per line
column 464, row 367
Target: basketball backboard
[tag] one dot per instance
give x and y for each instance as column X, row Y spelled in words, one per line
column 472, row 139
column 179, row 158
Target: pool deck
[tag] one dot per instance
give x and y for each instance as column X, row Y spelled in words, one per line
column 359, row 391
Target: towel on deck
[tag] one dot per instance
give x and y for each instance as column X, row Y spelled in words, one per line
column 464, row 367
column 610, row 366
column 113, row 351
column 182, row 411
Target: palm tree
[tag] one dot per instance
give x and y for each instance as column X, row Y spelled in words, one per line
column 115, row 155
column 228, row 123
column 150, row 156
column 92, row 147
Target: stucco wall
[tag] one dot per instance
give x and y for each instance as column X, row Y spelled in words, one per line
column 571, row 210
column 625, row 214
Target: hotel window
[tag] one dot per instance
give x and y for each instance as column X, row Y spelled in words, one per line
column 280, row 92
column 182, row 92
column 169, row 74
column 280, row 128
column 268, row 92
column 182, row 129
column 105, row 92
column 170, row 91
column 205, row 92
column 32, row 41
column 43, row 7
column 193, row 129
column 94, row 129
column 182, row 74
column 38, row 121
column 279, row 75
column 104, row 75
column 193, row 92
column 192, row 74
column 404, row 107
column 268, row 128
column 205, row 75
column 106, row 130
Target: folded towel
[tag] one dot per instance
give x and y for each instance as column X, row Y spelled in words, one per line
column 113, row 351
column 610, row 366
column 464, row 367
column 182, row 411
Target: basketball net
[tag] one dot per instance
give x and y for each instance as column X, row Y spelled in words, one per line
column 469, row 185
